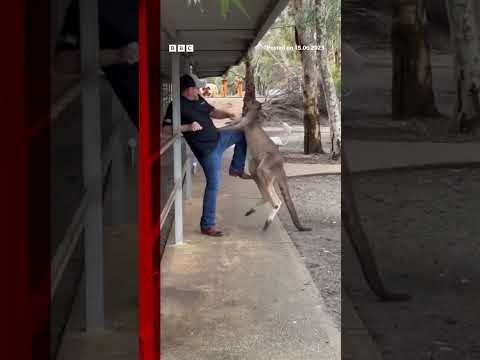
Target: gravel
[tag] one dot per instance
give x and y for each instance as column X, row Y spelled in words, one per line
column 424, row 229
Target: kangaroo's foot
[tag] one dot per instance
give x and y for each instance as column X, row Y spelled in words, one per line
column 254, row 209
column 270, row 218
column 267, row 224
column 250, row 212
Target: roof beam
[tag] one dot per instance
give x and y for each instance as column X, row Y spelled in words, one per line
column 248, row 34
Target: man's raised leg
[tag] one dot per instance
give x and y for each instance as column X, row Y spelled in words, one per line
column 237, row 138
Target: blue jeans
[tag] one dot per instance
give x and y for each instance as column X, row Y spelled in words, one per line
column 212, row 166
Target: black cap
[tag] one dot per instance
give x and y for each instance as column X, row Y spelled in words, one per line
column 186, row 81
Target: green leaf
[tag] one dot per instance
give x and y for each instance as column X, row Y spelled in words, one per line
column 239, row 4
column 224, row 7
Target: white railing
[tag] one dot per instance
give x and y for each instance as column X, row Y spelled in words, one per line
column 88, row 217
column 70, row 240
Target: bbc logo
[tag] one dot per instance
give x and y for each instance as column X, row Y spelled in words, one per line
column 180, row 48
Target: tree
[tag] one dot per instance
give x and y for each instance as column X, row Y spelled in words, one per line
column 464, row 19
column 328, row 85
column 311, row 115
column 249, row 83
column 412, row 92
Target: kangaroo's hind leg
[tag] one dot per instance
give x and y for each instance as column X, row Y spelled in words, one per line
column 276, row 204
column 262, row 202
column 267, row 182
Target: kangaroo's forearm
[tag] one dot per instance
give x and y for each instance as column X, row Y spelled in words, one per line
column 236, row 126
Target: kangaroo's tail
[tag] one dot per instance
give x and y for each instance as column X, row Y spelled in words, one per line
column 283, row 185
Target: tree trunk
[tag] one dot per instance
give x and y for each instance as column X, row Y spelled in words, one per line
column 311, row 116
column 412, row 93
column 464, row 18
column 321, row 103
column 249, row 84
column 328, row 85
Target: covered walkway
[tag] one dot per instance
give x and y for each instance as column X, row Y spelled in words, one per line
column 245, row 296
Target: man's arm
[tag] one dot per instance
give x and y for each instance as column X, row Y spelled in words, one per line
column 167, row 129
column 221, row 114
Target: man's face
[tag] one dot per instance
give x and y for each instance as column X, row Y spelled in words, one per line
column 192, row 93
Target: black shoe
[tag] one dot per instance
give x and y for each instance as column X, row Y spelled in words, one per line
column 239, row 174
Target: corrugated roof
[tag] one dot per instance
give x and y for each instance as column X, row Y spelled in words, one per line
column 219, row 42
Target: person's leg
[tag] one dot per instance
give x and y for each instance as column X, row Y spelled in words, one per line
column 237, row 138
column 211, row 166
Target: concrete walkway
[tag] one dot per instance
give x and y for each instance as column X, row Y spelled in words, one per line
column 246, row 296
column 383, row 155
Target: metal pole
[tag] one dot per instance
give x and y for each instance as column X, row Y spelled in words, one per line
column 92, row 168
column 188, row 175
column 177, row 148
column 189, row 164
column 120, row 204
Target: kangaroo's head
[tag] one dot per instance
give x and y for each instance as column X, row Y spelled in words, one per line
column 253, row 106
column 253, row 112
column 251, row 118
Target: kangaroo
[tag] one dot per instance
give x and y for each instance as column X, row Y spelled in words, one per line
column 353, row 227
column 265, row 166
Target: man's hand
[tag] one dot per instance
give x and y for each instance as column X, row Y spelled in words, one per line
column 195, row 126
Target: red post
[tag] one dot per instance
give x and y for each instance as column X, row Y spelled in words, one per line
column 25, row 180
column 149, row 176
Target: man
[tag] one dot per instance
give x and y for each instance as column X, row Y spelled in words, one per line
column 118, row 56
column 208, row 145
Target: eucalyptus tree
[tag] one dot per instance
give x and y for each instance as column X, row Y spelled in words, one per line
column 464, row 19
column 412, row 91
column 328, row 84
column 304, row 38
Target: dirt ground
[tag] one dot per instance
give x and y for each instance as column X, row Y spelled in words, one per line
column 421, row 223
column 430, row 250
